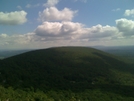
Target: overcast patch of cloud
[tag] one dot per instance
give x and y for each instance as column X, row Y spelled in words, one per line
column 125, row 26
column 129, row 12
column 13, row 18
column 53, row 14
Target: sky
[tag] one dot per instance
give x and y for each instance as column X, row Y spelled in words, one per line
column 34, row 24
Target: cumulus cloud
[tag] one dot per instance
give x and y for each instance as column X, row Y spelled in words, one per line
column 56, row 29
column 129, row 12
column 51, row 3
column 53, row 14
column 99, row 31
column 48, row 28
column 71, row 28
column 74, row 31
column 24, row 38
column 13, row 18
column 125, row 26
column 69, row 33
column 19, row 39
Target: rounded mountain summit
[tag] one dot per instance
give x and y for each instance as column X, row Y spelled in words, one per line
column 65, row 68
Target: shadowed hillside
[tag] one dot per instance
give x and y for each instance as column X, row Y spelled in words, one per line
column 67, row 68
column 63, row 68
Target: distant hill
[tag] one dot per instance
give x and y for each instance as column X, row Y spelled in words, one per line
column 64, row 68
column 126, row 52
column 9, row 53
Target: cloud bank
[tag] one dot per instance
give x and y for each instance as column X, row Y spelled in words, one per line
column 50, row 34
column 13, row 18
column 74, row 31
column 57, row 28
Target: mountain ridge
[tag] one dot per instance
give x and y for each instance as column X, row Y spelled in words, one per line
column 63, row 68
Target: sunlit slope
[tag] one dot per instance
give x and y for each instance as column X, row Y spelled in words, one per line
column 65, row 68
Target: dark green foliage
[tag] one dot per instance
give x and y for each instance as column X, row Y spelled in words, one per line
column 100, row 93
column 69, row 73
column 21, row 95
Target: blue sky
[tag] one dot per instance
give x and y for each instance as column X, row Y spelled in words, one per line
column 48, row 23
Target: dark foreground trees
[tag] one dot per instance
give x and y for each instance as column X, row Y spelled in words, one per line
column 95, row 94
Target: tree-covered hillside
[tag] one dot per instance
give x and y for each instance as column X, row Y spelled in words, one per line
column 69, row 70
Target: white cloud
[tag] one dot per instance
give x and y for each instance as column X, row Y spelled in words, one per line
column 53, row 14
column 99, row 31
column 126, row 27
column 129, row 12
column 24, row 38
column 50, row 34
column 51, row 3
column 20, row 39
column 74, row 31
column 64, row 32
column 71, row 28
column 3, row 35
column 19, row 7
column 13, row 18
column 70, row 33
column 57, row 29
column 48, row 29
column 115, row 10
column 32, row 6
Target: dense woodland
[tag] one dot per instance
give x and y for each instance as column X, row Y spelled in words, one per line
column 66, row 74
